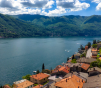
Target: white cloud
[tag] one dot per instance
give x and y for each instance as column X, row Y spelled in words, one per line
column 98, row 7
column 55, row 12
column 72, row 5
column 96, row 1
column 24, row 6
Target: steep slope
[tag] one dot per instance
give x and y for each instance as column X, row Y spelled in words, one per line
column 12, row 27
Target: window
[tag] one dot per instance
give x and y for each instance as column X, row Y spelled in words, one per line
column 44, row 78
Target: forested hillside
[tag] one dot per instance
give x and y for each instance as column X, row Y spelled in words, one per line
column 12, row 27
column 38, row 25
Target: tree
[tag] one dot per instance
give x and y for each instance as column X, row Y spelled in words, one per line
column 89, row 44
column 73, row 57
column 43, row 67
column 67, row 58
column 37, row 72
column 94, row 41
column 27, row 77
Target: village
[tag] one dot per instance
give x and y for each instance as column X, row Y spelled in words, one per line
column 82, row 70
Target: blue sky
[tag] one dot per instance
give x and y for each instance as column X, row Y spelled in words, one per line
column 51, row 7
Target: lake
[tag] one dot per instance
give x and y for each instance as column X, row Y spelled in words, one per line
column 22, row 56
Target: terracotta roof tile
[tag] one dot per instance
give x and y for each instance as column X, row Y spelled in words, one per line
column 85, row 66
column 39, row 76
column 23, row 84
column 69, row 60
column 70, row 82
column 6, row 86
column 65, row 69
column 100, row 58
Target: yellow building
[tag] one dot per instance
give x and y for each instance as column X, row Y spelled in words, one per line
column 39, row 78
column 23, row 84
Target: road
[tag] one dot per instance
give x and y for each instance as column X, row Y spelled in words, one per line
column 89, row 54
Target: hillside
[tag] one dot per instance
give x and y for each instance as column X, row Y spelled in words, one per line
column 67, row 25
column 12, row 27
column 38, row 25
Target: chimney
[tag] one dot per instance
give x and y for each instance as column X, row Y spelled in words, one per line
column 66, row 80
column 78, row 86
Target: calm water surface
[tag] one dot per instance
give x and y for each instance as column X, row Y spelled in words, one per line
column 22, row 56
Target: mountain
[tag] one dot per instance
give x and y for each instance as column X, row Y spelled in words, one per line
column 13, row 27
column 26, row 25
column 67, row 25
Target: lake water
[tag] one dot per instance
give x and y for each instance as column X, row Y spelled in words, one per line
column 22, row 56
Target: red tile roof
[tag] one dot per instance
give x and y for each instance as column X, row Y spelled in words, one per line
column 6, row 86
column 85, row 66
column 65, row 69
column 40, row 76
column 69, row 60
column 70, row 82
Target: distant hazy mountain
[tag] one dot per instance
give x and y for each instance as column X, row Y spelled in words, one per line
column 26, row 25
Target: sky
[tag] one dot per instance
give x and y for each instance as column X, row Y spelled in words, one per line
column 51, row 7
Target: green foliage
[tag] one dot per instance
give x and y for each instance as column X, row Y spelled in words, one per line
column 98, row 56
column 27, row 77
column 94, row 45
column 35, row 84
column 96, row 63
column 1, row 86
column 89, row 44
column 38, row 25
column 37, row 72
column 43, row 67
column 74, row 61
column 67, row 58
column 94, row 41
column 46, row 71
column 83, row 55
column 100, row 50
column 73, row 57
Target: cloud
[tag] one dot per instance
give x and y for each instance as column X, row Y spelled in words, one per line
column 73, row 5
column 96, row 1
column 36, row 4
column 8, row 5
column 98, row 7
column 24, row 6
column 55, row 12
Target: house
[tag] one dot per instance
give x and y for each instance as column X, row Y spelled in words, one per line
column 81, row 51
column 85, row 60
column 60, row 71
column 79, row 67
column 69, row 61
column 38, row 86
column 93, row 82
column 81, row 75
column 94, row 71
column 23, row 84
column 86, row 47
column 84, row 67
column 70, row 82
column 39, row 78
column 6, row 86
column 98, row 45
column 77, row 55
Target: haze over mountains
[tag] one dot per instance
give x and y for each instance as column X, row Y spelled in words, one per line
column 26, row 25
